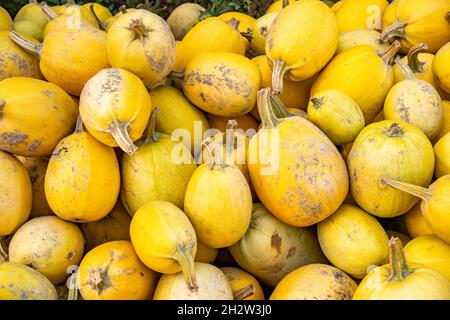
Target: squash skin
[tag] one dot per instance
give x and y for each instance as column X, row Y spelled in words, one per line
column 165, row 240
column 205, row 254
column 302, row 51
column 416, row 223
column 37, row 168
column 80, row 170
column 400, row 280
column 151, row 174
column 49, row 245
column 27, row 283
column 31, row 21
column 246, row 22
column 277, row 6
column 424, row 21
column 209, row 35
column 215, row 193
column 446, row 122
column 271, row 249
column 408, row 157
column 213, row 285
column 259, row 32
column 337, row 115
column 15, row 194
column 353, row 240
column 239, row 279
column 244, row 122
column 101, row 11
column 183, row 18
column 37, row 115
column 359, row 65
column 307, row 166
column 441, row 67
column 442, row 156
column 222, row 83
column 115, row 226
column 16, row 62
column 117, row 265
column 360, row 14
column 431, row 252
column 148, row 54
column 435, row 210
column 354, row 38
column 416, row 102
column 77, row 67
column 176, row 112
column 126, row 103
column 315, row 282
column 294, row 95
column 6, row 22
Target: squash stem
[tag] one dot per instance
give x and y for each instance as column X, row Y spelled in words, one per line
column 70, row 3
column 420, row 192
column 176, row 75
column 123, row 9
column 230, row 139
column 389, row 55
column 447, row 17
column 279, row 108
column 316, row 102
column 394, row 31
column 79, row 125
column 268, row 118
column 244, row 293
column 405, row 69
column 184, row 257
column 285, row 3
column 397, row 261
column 152, row 136
column 234, row 23
column 25, row 44
column 3, row 250
column 279, row 69
column 215, row 155
column 413, row 57
column 138, row 29
column 100, row 23
column 119, row 131
column 73, row 288
column 48, row 12
column 33, row 1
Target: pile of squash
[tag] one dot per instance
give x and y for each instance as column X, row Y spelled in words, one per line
column 303, row 154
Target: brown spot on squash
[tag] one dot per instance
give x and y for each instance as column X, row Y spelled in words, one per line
column 275, row 241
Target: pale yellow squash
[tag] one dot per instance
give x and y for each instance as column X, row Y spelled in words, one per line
column 259, row 32
column 49, row 245
column 82, row 181
column 297, row 52
column 400, row 280
column 315, row 282
column 19, row 282
column 183, row 18
column 165, row 240
column 416, row 223
column 271, row 249
column 6, row 22
column 141, row 42
column 291, row 159
column 337, row 115
column 358, row 37
column 15, row 194
column 222, row 83
column 353, row 240
column 218, row 202
column 212, row 285
column 442, row 155
column 417, row 21
column 115, row 108
column 393, row 149
column 431, row 252
column 115, row 226
column 416, row 102
column 34, row 116
column 113, row 271
column 363, row 73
